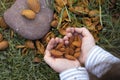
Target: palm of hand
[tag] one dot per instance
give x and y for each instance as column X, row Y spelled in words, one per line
column 58, row 64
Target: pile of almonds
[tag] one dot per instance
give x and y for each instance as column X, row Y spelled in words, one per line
column 34, row 6
column 3, row 43
column 77, row 13
column 70, row 51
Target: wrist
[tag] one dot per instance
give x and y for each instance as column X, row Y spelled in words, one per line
column 74, row 73
column 84, row 58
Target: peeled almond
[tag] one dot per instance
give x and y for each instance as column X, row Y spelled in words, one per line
column 29, row 44
column 54, row 23
column 29, row 14
column 77, row 54
column 34, row 5
column 2, row 23
column 70, row 57
column 76, row 43
column 1, row 37
column 36, row 60
column 59, row 45
column 4, row 45
column 56, row 53
column 93, row 13
column 40, row 47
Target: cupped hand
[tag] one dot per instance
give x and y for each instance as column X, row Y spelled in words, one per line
column 88, row 41
column 58, row 64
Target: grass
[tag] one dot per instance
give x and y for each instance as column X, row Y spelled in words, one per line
column 13, row 66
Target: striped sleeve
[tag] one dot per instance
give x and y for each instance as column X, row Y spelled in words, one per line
column 75, row 74
column 99, row 61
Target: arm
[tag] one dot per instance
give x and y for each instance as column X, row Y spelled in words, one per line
column 99, row 61
column 68, row 69
column 75, row 74
column 96, row 60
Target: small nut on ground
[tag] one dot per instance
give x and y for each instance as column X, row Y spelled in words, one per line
column 4, row 45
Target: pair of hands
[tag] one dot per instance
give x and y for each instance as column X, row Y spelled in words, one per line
column 62, row 64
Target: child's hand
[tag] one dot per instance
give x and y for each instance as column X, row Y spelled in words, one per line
column 58, row 64
column 88, row 41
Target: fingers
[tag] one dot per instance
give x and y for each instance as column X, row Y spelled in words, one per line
column 83, row 31
column 48, row 58
column 51, row 44
column 70, row 30
column 66, row 38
